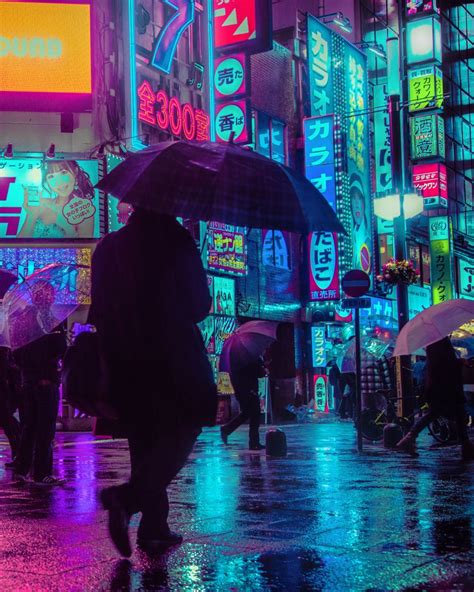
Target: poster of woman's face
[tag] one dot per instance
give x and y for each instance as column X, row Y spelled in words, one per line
column 49, row 199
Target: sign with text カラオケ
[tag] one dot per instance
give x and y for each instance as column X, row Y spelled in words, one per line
column 45, row 56
column 320, row 165
column 48, row 199
column 320, row 68
column 323, row 266
column 318, row 346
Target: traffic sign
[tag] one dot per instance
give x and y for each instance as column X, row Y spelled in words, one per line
column 351, row 303
column 355, row 283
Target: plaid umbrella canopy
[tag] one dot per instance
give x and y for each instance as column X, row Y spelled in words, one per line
column 220, row 182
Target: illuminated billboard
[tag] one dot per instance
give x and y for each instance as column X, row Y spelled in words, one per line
column 320, row 166
column 24, row 260
column 243, row 25
column 423, row 40
column 230, row 78
column 427, row 136
column 441, row 259
column 425, row 88
column 48, row 199
column 432, row 181
column 318, row 346
column 320, row 67
column 226, row 249
column 45, row 56
column 323, row 266
column 233, row 118
column 224, row 296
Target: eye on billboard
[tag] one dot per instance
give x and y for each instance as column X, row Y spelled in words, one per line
column 49, row 199
column 45, row 56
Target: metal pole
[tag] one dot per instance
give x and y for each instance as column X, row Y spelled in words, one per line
column 358, row 381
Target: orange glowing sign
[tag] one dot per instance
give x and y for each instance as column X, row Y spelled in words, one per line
column 45, row 56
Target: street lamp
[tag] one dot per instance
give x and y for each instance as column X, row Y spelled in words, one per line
column 338, row 19
column 387, row 207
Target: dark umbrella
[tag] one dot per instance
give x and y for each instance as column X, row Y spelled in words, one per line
column 247, row 344
column 220, row 182
column 7, row 279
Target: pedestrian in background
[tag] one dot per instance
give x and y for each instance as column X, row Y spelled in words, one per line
column 39, row 366
column 149, row 289
column 8, row 404
column 244, row 379
column 445, row 396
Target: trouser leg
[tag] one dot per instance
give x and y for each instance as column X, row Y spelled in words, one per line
column 29, row 424
column 9, row 424
column 421, row 423
column 460, row 417
column 47, row 403
column 254, row 420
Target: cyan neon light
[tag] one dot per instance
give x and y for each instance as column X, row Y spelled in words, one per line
column 210, row 69
column 135, row 142
column 168, row 39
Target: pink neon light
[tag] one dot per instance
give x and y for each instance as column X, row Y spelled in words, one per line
column 176, row 121
column 189, row 122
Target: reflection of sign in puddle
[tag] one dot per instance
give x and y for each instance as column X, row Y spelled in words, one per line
column 78, row 210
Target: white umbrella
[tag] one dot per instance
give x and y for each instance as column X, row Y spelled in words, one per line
column 433, row 324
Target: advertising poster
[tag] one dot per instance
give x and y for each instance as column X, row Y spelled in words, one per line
column 358, row 161
column 323, row 266
column 226, row 249
column 48, row 199
column 320, row 389
column 224, row 296
column 224, row 327
column 23, row 261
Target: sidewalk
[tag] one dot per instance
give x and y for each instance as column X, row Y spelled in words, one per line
column 324, row 518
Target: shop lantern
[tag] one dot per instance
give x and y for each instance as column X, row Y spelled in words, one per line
column 423, row 40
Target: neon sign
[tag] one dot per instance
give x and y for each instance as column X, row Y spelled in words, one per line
column 226, row 250
column 238, row 24
column 230, row 76
column 441, row 259
column 320, row 68
column 320, row 166
column 232, row 118
column 45, row 56
column 170, row 34
column 425, row 88
column 432, row 181
column 159, row 110
column 318, row 346
column 323, row 266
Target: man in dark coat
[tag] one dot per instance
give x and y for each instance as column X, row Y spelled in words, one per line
column 149, row 289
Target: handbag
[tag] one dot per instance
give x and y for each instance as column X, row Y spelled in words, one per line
column 84, row 377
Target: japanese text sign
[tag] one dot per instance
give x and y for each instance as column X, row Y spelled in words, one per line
column 466, row 279
column 320, row 166
column 159, row 110
column 226, row 249
column 358, row 167
column 233, row 118
column 48, row 199
column 318, row 346
column 224, row 296
column 427, row 136
column 425, row 88
column 431, row 180
column 75, row 287
column 383, row 169
column 230, row 76
column 323, row 266
column 271, row 140
column 320, row 69
column 242, row 24
column 320, row 387
column 45, row 56
column 441, row 265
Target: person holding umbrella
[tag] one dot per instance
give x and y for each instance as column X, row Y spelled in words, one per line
column 242, row 357
column 445, row 396
column 429, row 329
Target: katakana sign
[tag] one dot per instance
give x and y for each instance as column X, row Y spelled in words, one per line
column 226, row 250
column 320, row 69
column 318, row 346
column 320, row 167
column 441, row 259
column 242, row 24
column 233, row 118
column 427, row 137
column 425, row 88
column 230, row 76
column 432, row 181
column 323, row 266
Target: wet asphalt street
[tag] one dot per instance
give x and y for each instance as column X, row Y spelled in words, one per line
column 323, row 518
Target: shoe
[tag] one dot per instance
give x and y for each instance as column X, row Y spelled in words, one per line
column 407, row 444
column 50, row 480
column 224, row 436
column 257, row 446
column 118, row 520
column 467, row 451
column 156, row 546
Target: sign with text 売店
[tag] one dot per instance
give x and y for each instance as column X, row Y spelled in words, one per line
column 45, row 56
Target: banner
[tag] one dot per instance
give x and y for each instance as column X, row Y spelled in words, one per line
column 48, row 199
column 323, row 266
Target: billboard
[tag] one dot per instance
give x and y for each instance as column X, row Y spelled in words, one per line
column 48, row 199
column 425, row 88
column 45, row 56
column 427, row 136
column 441, row 259
column 320, row 164
column 323, row 266
column 230, row 76
column 432, row 181
column 320, row 389
column 320, row 69
column 358, row 160
column 24, row 260
column 242, row 25
column 318, row 346
column 226, row 249
column 383, row 168
column 233, row 118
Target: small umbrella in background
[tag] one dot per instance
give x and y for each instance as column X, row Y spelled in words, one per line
column 221, row 182
column 247, row 344
column 372, row 349
column 432, row 324
column 36, row 305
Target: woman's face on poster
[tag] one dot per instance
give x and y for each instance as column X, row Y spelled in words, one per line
column 61, row 182
column 357, row 207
